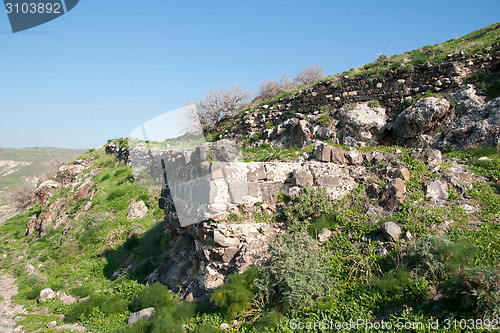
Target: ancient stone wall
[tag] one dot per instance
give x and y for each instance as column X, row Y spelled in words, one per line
column 204, row 189
column 295, row 119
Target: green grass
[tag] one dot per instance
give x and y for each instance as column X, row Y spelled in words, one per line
column 265, row 153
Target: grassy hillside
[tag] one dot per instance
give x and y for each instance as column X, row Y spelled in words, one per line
column 29, row 164
column 421, row 281
column 444, row 267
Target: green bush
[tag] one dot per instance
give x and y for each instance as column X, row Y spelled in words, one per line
column 418, row 58
column 395, row 65
column 325, row 119
column 493, row 90
column 295, row 276
column 436, row 257
column 235, row 295
column 400, row 283
column 108, row 304
column 208, row 328
column 475, row 291
column 155, row 295
column 268, row 322
column 33, row 292
column 310, row 204
column 81, row 291
column 374, row 104
column 256, row 137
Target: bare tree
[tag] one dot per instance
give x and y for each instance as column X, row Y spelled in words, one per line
column 309, row 75
column 24, row 195
column 217, row 104
column 270, row 88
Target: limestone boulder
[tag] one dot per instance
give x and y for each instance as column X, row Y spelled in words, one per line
column 338, row 156
column 143, row 314
column 437, row 190
column 475, row 127
column 323, row 152
column 137, row 210
column 302, row 177
column 391, row 231
column 364, row 123
column 354, row 157
column 67, row 173
column 46, row 294
column 420, row 117
column 225, row 151
column 45, row 190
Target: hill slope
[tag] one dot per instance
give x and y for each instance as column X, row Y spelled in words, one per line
column 323, row 235
column 28, row 165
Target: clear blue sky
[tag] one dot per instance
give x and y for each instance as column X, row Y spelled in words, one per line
column 108, row 65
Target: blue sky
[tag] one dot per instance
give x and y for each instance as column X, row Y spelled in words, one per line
column 108, row 66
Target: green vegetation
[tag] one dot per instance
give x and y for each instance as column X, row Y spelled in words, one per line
column 301, row 279
column 412, row 100
column 446, row 269
column 265, row 152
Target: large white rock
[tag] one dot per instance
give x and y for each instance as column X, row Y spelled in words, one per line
column 137, row 210
column 144, row 314
column 364, row 123
column 420, row 117
column 46, row 294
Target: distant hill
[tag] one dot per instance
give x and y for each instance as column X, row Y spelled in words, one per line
column 29, row 165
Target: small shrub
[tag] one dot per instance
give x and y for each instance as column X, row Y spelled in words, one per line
column 208, row 328
column 476, row 291
column 374, row 104
column 165, row 240
column 325, row 119
column 108, row 304
column 235, row 295
column 435, row 257
column 155, row 295
column 311, row 203
column 395, row 65
column 271, row 88
column 268, row 322
column 33, row 292
column 295, row 276
column 256, row 137
column 418, row 58
column 215, row 105
column 493, row 90
column 81, row 291
column 309, row 75
column 270, row 126
column 24, row 195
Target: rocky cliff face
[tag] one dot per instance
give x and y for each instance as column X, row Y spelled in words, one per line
column 368, row 111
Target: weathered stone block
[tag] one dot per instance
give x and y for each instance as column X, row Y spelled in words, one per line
column 329, row 180
column 354, row 157
column 323, row 153
column 338, row 155
column 224, row 241
column 302, row 177
column 257, row 173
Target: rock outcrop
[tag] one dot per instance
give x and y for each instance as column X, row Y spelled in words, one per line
column 420, row 117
